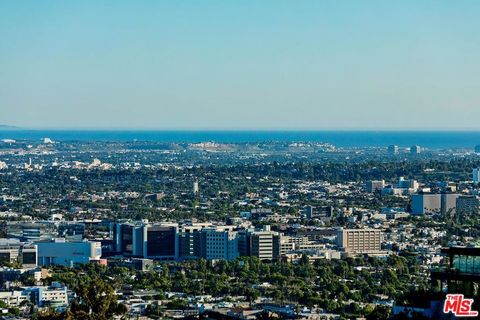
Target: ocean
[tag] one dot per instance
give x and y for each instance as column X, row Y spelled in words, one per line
column 428, row 139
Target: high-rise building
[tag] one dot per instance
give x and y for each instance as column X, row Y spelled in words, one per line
column 375, row 185
column 359, row 241
column 189, row 240
column 476, row 175
column 262, row 243
column 426, row 203
column 128, row 238
column 415, row 149
column 219, row 243
column 467, row 205
column 144, row 240
column 407, row 184
column 160, row 241
column 448, row 203
column 393, row 149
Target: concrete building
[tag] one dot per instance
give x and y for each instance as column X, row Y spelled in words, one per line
column 56, row 295
column 448, row 203
column 67, row 253
column 426, row 203
column 402, row 188
column 14, row 298
column 261, row 243
column 375, row 185
column 359, row 241
column 283, row 245
column 14, row 251
column 467, row 205
column 218, row 243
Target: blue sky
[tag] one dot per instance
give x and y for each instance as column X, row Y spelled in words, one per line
column 240, row 64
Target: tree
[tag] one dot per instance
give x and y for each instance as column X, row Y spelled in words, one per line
column 96, row 300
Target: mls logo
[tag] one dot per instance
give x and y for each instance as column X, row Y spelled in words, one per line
column 459, row 306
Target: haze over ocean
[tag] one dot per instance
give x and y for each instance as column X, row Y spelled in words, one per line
column 429, row 139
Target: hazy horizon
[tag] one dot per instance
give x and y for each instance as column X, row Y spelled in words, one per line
column 270, row 65
column 238, row 129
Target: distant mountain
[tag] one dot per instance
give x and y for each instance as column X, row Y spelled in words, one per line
column 5, row 127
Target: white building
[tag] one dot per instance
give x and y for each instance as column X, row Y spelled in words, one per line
column 55, row 295
column 68, row 253
column 14, row 298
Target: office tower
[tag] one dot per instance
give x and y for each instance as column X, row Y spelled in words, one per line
column 244, row 245
column 189, row 240
column 218, row 243
column 160, row 241
column 407, row 184
column 68, row 253
column 359, row 241
column 393, row 149
column 195, row 187
column 448, row 203
column 375, row 185
column 476, row 175
column 145, row 240
column 262, row 243
column 426, row 203
column 128, row 238
column 467, row 205
column 415, row 150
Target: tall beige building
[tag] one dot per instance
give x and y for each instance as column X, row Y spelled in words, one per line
column 359, row 240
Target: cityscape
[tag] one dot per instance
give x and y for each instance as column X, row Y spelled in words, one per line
column 239, row 160
column 296, row 230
